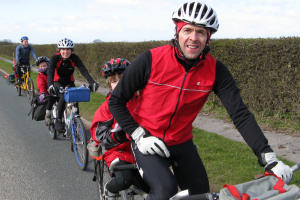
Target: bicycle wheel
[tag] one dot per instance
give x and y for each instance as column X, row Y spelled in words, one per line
column 102, row 177
column 52, row 131
column 79, row 143
column 19, row 90
column 30, row 89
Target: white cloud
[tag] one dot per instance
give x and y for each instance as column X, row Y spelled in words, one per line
column 139, row 20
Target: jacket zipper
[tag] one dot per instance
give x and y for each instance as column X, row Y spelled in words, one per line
column 181, row 88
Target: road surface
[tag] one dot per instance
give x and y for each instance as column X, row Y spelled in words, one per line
column 32, row 165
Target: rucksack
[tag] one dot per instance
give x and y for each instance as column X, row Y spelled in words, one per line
column 11, row 78
column 38, row 109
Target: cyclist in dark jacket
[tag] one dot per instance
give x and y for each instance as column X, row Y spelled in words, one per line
column 174, row 82
column 22, row 55
column 60, row 75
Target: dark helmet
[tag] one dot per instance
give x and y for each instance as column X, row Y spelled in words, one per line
column 114, row 66
column 41, row 59
column 24, row 38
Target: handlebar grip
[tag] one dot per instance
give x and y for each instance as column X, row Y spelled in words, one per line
column 296, row 167
column 124, row 167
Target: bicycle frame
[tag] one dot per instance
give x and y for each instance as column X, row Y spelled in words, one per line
column 25, row 76
column 101, row 178
column 27, row 83
column 184, row 194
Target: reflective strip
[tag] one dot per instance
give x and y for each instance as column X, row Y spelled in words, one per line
column 180, row 88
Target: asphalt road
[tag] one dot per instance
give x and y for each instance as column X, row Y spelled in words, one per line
column 32, row 166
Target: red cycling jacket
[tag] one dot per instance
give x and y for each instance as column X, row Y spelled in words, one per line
column 42, row 83
column 172, row 97
column 123, row 151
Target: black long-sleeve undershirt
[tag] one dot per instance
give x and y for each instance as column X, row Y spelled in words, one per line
column 78, row 63
column 136, row 77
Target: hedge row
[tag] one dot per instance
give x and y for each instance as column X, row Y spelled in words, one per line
column 266, row 70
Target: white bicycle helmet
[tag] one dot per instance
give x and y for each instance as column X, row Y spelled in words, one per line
column 199, row 13
column 65, row 44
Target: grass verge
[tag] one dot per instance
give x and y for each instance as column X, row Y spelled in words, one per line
column 226, row 161
column 289, row 124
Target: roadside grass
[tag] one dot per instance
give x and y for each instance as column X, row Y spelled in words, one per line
column 87, row 109
column 6, row 66
column 226, row 161
column 287, row 123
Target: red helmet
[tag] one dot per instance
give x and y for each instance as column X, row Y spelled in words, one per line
column 115, row 66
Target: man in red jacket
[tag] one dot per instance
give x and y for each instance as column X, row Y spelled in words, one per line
column 174, row 82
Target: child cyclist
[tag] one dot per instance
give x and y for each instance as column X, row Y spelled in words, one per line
column 42, row 63
column 105, row 130
column 60, row 75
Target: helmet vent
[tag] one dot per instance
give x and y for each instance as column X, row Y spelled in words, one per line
column 212, row 21
column 191, row 8
column 184, row 7
column 179, row 12
column 210, row 13
column 197, row 9
column 204, row 11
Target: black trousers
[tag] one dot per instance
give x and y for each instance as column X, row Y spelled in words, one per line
column 188, row 171
column 50, row 102
column 123, row 179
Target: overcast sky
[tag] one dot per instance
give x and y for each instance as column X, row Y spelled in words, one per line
column 47, row 21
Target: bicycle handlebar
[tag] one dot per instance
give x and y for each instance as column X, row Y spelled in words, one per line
column 296, row 167
column 124, row 167
column 184, row 195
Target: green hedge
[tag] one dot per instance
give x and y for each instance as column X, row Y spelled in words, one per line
column 266, row 70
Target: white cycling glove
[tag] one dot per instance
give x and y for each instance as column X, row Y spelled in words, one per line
column 149, row 144
column 277, row 167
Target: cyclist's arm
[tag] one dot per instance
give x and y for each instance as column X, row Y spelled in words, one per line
column 33, row 53
column 51, row 69
column 82, row 69
column 101, row 128
column 228, row 92
column 18, row 54
column 134, row 78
